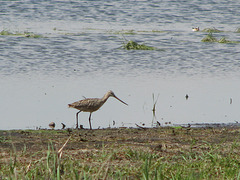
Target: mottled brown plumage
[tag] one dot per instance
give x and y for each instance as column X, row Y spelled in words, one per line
column 91, row 105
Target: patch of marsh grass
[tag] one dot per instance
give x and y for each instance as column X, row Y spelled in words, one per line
column 5, row 33
column 224, row 40
column 210, row 38
column 183, row 157
column 127, row 32
column 131, row 45
column 211, row 30
column 24, row 34
column 237, row 30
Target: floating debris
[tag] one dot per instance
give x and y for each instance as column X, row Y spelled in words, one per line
column 140, row 126
column 52, row 125
column 186, row 96
column 63, row 126
column 158, row 124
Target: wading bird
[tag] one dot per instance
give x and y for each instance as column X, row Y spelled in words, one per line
column 91, row 105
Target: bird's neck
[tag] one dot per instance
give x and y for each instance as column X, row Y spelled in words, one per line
column 105, row 97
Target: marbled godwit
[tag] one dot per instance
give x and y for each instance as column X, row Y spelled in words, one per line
column 91, row 105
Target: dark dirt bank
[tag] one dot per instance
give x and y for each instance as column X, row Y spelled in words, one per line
column 166, row 152
column 166, row 140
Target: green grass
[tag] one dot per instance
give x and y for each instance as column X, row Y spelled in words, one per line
column 210, row 38
column 5, row 33
column 137, row 165
column 24, row 34
column 237, row 30
column 211, row 30
column 223, row 40
column 201, row 154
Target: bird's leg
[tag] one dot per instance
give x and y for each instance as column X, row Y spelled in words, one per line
column 90, row 120
column 77, row 119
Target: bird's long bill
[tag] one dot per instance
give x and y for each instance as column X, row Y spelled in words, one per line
column 120, row 100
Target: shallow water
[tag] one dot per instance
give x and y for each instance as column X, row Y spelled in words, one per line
column 80, row 55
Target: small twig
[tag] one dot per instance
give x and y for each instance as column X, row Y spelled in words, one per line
column 63, row 126
column 140, row 126
column 60, row 150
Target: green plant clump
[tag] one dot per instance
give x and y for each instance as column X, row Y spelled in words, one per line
column 223, row 40
column 211, row 30
column 152, row 153
column 24, row 34
column 238, row 30
column 209, row 38
column 131, row 45
column 32, row 35
column 5, row 33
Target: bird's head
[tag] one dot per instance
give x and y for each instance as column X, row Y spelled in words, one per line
column 111, row 94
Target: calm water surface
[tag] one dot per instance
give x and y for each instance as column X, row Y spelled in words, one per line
column 80, row 54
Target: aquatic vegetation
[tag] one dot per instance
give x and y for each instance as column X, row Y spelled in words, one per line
column 154, row 108
column 5, row 33
column 131, row 45
column 152, row 31
column 223, row 40
column 154, row 103
column 24, row 34
column 32, row 35
column 211, row 30
column 131, row 32
column 237, row 30
column 158, row 31
column 211, row 38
